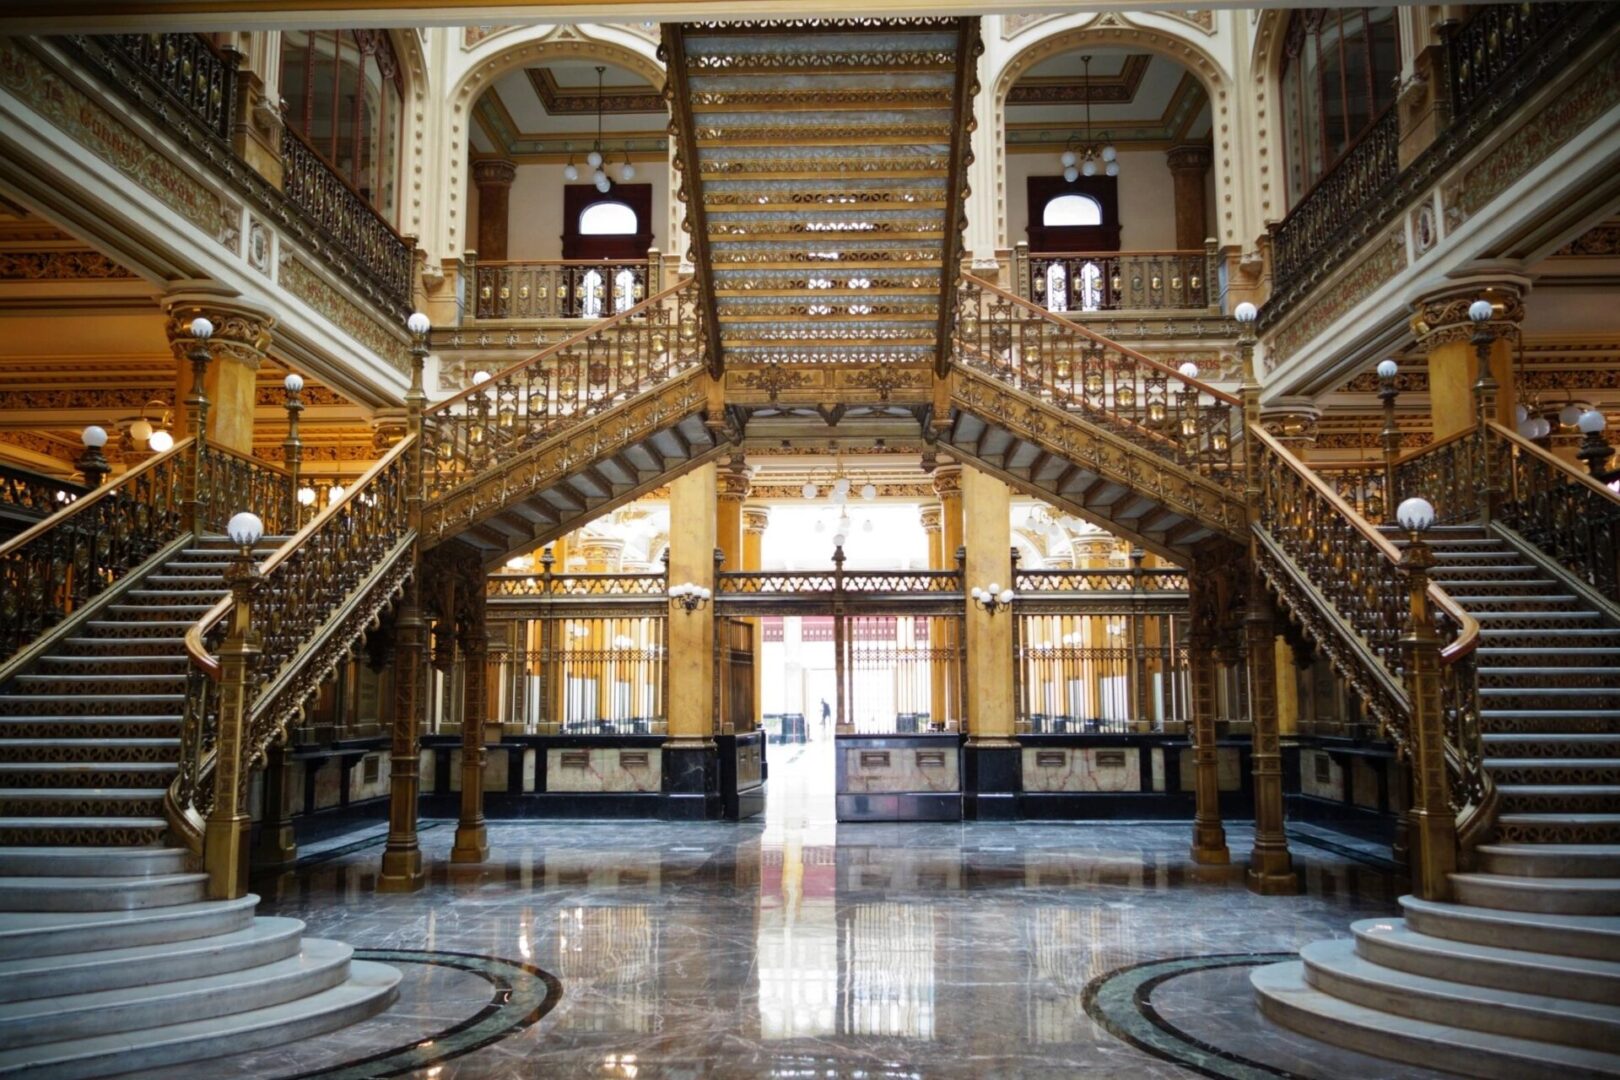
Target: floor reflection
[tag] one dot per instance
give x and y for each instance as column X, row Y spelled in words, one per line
column 796, row 947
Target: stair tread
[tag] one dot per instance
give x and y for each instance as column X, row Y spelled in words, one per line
column 1601, row 924
column 1396, row 931
column 1528, row 884
column 1492, row 762
column 20, row 923
column 262, row 928
column 1573, row 818
column 369, row 987
column 81, row 793
column 1549, row 850
column 43, row 884
column 88, row 821
column 1286, row 984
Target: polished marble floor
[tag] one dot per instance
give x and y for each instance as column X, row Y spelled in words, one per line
column 795, row 947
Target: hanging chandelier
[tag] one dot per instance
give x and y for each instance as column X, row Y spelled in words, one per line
column 595, row 159
column 1091, row 155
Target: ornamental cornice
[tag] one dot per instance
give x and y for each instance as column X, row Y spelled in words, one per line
column 241, row 331
column 1441, row 317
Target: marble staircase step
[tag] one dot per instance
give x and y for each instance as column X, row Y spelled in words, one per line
column 369, row 989
column 1561, row 721
column 156, row 726
column 140, row 628
column 1490, row 616
column 1391, row 943
column 1559, row 828
column 1286, row 997
column 1550, row 860
column 1559, row 798
column 264, row 941
column 1597, row 744
column 84, row 831
column 91, row 862
column 1550, row 771
column 139, row 682
column 85, row 774
column 157, row 612
column 70, row 802
column 1595, row 937
column 70, row 704
column 101, row 893
column 115, row 646
column 1564, row 896
column 93, row 751
column 1601, row 637
column 149, row 664
column 320, row 965
column 25, row 934
column 1333, row 967
column 1548, row 657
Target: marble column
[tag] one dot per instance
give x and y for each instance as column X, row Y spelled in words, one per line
column 1444, row 333
column 691, row 760
column 732, row 485
column 1209, row 836
column 1189, row 172
column 756, row 519
column 991, row 767
column 472, row 836
column 494, row 181
column 1271, row 870
column 240, row 342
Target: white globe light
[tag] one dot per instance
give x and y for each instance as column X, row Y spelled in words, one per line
column 1387, row 369
column 603, row 185
column 842, row 485
column 1415, row 514
column 627, row 172
column 1109, row 153
column 245, row 529
column 1520, row 414
column 201, row 329
column 1088, row 167
column 1570, row 414
column 1591, row 422
column 993, row 590
column 94, row 436
column 1245, row 312
column 977, row 593
column 594, row 159
column 293, row 383
column 335, row 494
column 161, row 441
column 809, row 490
column 1543, row 427
column 1071, row 174
column 1480, row 311
column 838, row 539
column 570, row 171
column 1527, row 428
column 1189, row 370
column 1006, row 596
column 1067, row 158
column 418, row 323
column 141, row 430
column 306, row 496
column 480, row 378
column 1112, row 168
column 868, row 492
column 598, row 176
column 867, row 526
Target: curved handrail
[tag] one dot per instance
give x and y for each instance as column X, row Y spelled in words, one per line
column 1570, row 473
column 1125, row 350
column 1564, row 512
column 84, row 503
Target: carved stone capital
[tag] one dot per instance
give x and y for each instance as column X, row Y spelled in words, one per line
column 241, row 331
column 755, row 519
column 933, row 518
column 388, row 426
column 948, row 481
column 1293, row 425
column 494, row 172
column 1441, row 317
column 734, row 481
column 603, row 552
column 1190, row 159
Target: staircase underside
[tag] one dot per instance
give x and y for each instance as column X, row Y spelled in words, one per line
column 585, row 471
column 1095, row 474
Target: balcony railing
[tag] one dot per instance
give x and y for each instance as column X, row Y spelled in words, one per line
column 191, row 73
column 561, row 289
column 1492, row 43
column 34, row 496
column 1337, row 205
column 1081, row 282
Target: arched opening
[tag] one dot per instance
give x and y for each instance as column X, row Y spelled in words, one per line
column 609, row 217
column 1071, row 210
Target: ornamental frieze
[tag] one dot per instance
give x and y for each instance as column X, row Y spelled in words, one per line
column 308, row 286
column 60, row 266
column 1603, row 241
column 1444, row 319
column 1375, row 268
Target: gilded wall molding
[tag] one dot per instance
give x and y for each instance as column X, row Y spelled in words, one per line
column 61, row 266
column 387, row 342
column 1376, row 267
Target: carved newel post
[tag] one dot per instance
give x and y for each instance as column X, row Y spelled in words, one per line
column 292, row 449
column 1433, row 825
column 93, row 464
column 1390, row 437
column 225, row 833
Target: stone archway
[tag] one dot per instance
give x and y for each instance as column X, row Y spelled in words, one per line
column 1112, row 30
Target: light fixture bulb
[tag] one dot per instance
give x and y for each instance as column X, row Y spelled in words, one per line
column 306, row 496
column 1189, row 370
column 570, row 171
column 1112, row 168
column 245, row 529
column 480, row 378
column 838, row 539
column 201, row 329
column 160, row 442
column 293, row 383
column 1520, row 415
column 809, row 491
column 867, row 526
column 604, row 185
column 418, row 323
column 94, row 436
column 335, row 494
column 594, row 159
column 1415, row 514
column 1245, row 312
column 1480, row 311
column 141, row 430
column 1109, row 153
column 1543, row 427
column 1570, row 415
column 1071, row 174
column 627, row 172
column 1591, row 422
column 841, row 486
column 598, row 175
column 1387, row 369
column 868, row 492
column 1068, row 159
column 1088, row 168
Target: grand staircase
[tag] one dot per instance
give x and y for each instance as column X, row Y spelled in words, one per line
column 111, row 957
column 1519, row 974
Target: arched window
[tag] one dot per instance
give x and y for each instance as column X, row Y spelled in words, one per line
column 1072, row 210
column 1338, row 77
column 607, row 218
column 341, row 90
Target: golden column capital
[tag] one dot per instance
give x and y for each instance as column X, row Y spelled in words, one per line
column 241, row 330
column 1291, row 423
column 1441, row 317
column 948, row 481
column 756, row 519
column 932, row 518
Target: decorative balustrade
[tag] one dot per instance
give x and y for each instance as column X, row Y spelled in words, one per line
column 1161, row 580
column 1019, row 343
column 1558, row 508
column 559, row 289
column 1447, row 473
column 34, row 494
column 1079, row 282
column 800, row 582
column 234, row 480
column 1360, row 484
column 1494, row 42
column 1337, row 205
column 347, row 227
column 535, row 586
column 54, row 568
column 579, row 377
column 312, row 598
column 187, row 71
column 1344, row 581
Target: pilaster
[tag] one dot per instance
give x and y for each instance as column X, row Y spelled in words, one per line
column 493, row 179
column 240, row 342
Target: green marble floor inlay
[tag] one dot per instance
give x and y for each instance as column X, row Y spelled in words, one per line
column 520, row 994
column 1120, row 1002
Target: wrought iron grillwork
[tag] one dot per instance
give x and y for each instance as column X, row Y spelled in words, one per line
column 1447, row 473
column 34, row 495
column 1565, row 513
column 236, row 481
column 560, row 290
column 1493, row 43
column 901, row 674
column 349, row 228
column 1359, row 484
column 1101, row 673
column 572, row 673
column 781, row 583
column 1019, row 343
column 579, row 377
column 318, row 594
column 1337, row 205
column 1078, row 282
column 53, row 569
column 1158, row 580
column 188, row 72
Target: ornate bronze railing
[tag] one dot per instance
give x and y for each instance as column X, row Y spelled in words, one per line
column 188, row 71
column 1344, row 583
column 1558, row 508
column 1020, row 343
column 1108, row 580
column 34, row 494
column 1495, row 41
column 780, row 582
column 583, row 375
column 1078, row 282
column 561, row 289
column 236, row 481
column 526, row 585
column 349, row 228
column 1358, row 483
column 51, row 570
column 313, row 597
column 1335, row 205
column 1447, row 473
